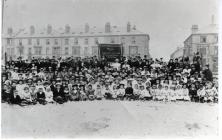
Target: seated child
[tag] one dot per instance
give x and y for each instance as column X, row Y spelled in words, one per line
column 185, row 94
column 33, row 93
column 193, row 93
column 153, row 91
column 114, row 91
column 136, row 92
column 66, row 93
column 201, row 93
column 49, row 95
column 74, row 94
column 145, row 94
column 107, row 92
column 83, row 96
column 98, row 92
column 90, row 93
column 129, row 92
column 210, row 92
column 172, row 93
column 179, row 92
column 121, row 92
column 26, row 96
column 41, row 96
column 159, row 96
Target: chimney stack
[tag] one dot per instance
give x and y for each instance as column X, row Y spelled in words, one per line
column 86, row 28
column 67, row 29
column 128, row 27
column 134, row 27
column 194, row 29
column 32, row 29
column 10, row 31
column 49, row 29
column 107, row 27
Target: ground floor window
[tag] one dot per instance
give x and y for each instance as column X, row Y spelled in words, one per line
column 56, row 51
column 38, row 50
column 133, row 50
column 94, row 50
column 76, row 50
column 47, row 50
column 86, row 51
column 67, row 51
column 21, row 50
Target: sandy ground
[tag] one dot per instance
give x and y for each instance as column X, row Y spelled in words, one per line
column 110, row 119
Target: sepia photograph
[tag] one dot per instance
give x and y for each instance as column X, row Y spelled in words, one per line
column 109, row 68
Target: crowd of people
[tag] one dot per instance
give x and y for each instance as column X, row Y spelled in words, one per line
column 57, row 80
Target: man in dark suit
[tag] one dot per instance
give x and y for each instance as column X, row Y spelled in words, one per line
column 208, row 74
column 58, row 94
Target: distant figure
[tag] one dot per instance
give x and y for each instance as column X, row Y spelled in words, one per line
column 116, row 65
column 207, row 73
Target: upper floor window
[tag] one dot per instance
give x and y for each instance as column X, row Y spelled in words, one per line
column 30, row 41
column 29, row 51
column 112, row 40
column 75, row 50
column 47, row 50
column 56, row 41
column 38, row 50
column 66, row 41
column 37, row 41
column 66, row 51
column 47, row 42
column 9, row 41
column 20, row 50
column 76, row 41
column 122, row 39
column 133, row 40
column 216, row 38
column 96, row 40
column 86, row 41
column 203, row 39
column 215, row 50
column 20, row 41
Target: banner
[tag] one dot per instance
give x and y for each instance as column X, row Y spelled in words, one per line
column 110, row 51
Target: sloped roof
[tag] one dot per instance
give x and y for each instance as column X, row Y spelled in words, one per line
column 212, row 28
column 93, row 31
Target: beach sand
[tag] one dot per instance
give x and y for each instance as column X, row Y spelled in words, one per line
column 113, row 119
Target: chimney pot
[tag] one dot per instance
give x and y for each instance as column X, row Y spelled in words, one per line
column 107, row 27
column 86, row 28
column 32, row 29
column 194, row 29
column 128, row 27
column 67, row 29
column 49, row 29
column 10, row 31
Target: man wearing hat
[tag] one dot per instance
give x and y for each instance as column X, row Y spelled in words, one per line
column 58, row 94
column 207, row 73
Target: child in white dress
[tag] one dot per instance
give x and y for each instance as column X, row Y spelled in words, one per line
column 49, row 95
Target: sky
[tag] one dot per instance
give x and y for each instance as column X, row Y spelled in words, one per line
column 168, row 22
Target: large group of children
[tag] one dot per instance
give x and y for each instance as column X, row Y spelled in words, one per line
column 42, row 81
